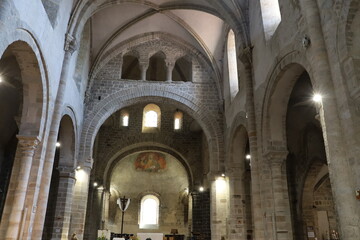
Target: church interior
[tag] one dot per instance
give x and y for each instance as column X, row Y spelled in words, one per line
column 180, row 119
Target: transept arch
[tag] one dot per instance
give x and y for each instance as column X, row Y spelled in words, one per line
column 130, row 96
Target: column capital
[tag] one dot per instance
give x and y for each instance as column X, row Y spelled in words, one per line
column 70, row 44
column 66, row 171
column 28, row 142
column 276, row 156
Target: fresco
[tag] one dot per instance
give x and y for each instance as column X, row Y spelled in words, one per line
column 150, row 162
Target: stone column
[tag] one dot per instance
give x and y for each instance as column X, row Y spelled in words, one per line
column 69, row 47
column 280, row 216
column 237, row 214
column 169, row 69
column 342, row 180
column 257, row 208
column 27, row 146
column 61, row 225
column 144, row 67
column 219, row 200
column 79, row 206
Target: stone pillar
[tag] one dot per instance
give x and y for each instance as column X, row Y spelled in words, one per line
column 257, row 208
column 27, row 146
column 342, row 181
column 169, row 69
column 144, row 67
column 280, row 216
column 219, row 207
column 69, row 47
column 79, row 206
column 61, row 225
column 237, row 211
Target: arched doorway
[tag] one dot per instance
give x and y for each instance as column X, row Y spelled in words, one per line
column 58, row 212
column 22, row 118
column 311, row 201
column 239, row 174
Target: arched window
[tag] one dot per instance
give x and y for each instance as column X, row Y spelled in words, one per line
column 149, row 212
column 124, row 118
column 178, row 120
column 232, row 64
column 151, row 118
column 271, row 16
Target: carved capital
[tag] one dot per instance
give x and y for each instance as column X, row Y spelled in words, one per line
column 245, row 55
column 66, row 172
column 28, row 144
column 70, row 43
column 275, row 157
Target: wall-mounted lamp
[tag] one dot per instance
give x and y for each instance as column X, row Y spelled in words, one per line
column 201, row 189
column 58, row 144
column 248, row 156
column 95, row 184
column 223, row 174
column 317, row 98
column 78, row 167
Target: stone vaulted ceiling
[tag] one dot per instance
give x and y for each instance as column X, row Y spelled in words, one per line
column 200, row 23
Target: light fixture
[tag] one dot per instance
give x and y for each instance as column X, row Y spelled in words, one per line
column 317, row 98
column 95, row 184
column 248, row 156
column 201, row 189
column 58, row 144
column 78, row 167
column 1, row 79
column 223, row 174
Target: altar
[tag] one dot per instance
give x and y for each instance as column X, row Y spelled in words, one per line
column 153, row 236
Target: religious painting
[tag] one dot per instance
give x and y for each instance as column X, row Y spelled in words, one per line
column 150, row 162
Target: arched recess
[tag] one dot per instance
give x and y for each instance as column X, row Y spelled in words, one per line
column 239, row 173
column 116, row 155
column 183, row 69
column 123, row 99
column 23, row 109
column 58, row 212
column 131, row 67
column 306, row 160
column 157, row 67
column 281, row 81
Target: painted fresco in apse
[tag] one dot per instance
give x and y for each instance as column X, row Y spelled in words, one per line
column 150, row 162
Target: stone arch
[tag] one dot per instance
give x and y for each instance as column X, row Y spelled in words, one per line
column 116, row 155
column 157, row 66
column 132, row 43
column 26, row 50
column 122, row 99
column 67, row 136
column 281, row 81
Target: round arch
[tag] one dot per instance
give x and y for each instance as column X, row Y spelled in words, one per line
column 27, row 52
column 117, row 155
column 128, row 97
column 279, row 87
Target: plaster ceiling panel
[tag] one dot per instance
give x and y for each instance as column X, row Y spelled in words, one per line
column 157, row 23
column 108, row 20
column 209, row 28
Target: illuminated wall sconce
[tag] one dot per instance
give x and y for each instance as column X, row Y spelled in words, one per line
column 201, row 189
column 95, row 184
column 58, row 144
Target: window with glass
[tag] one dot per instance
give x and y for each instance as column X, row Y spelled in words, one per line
column 149, row 212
